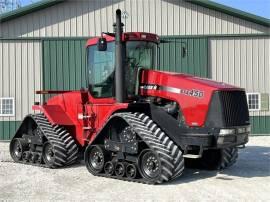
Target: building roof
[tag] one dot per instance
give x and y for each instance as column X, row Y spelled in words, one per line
column 28, row 9
column 232, row 11
column 205, row 3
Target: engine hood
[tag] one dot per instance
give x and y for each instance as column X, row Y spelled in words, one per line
column 193, row 94
column 175, row 78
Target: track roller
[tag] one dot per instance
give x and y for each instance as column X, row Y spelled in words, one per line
column 131, row 171
column 26, row 156
column 120, row 169
column 109, row 168
column 34, row 157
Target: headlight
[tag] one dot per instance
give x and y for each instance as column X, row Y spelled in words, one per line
column 227, row 131
column 248, row 129
column 241, row 130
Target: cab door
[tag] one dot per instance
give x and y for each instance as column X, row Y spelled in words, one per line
column 101, row 70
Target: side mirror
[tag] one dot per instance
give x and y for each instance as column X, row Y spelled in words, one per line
column 102, row 44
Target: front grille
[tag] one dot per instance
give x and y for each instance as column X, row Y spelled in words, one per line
column 228, row 108
column 234, row 107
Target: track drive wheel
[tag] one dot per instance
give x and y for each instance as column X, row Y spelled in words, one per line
column 95, row 158
column 17, row 148
column 150, row 165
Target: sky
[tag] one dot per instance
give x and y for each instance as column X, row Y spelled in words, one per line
column 257, row 7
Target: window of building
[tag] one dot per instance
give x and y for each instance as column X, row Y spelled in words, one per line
column 7, row 106
column 254, row 101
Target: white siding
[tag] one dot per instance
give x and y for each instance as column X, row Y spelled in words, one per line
column 89, row 18
column 20, row 75
column 242, row 62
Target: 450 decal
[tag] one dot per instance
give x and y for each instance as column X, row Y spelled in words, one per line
column 193, row 92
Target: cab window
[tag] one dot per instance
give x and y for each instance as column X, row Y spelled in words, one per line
column 101, row 66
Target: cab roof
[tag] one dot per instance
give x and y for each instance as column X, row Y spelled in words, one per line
column 127, row 36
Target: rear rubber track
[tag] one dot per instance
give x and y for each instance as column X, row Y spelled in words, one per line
column 71, row 146
column 65, row 149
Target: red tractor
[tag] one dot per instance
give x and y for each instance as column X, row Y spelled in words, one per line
column 134, row 123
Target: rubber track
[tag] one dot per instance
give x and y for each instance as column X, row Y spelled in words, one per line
column 61, row 143
column 228, row 157
column 172, row 161
column 59, row 147
column 71, row 146
column 175, row 152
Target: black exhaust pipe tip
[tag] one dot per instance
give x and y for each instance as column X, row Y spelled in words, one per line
column 118, row 12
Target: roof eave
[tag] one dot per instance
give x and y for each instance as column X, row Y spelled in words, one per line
column 205, row 3
column 232, row 11
column 28, row 9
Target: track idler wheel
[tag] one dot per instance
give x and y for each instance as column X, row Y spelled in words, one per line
column 120, row 169
column 48, row 154
column 17, row 148
column 109, row 168
column 149, row 165
column 131, row 171
column 95, row 158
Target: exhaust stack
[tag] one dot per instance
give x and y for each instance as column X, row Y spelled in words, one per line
column 119, row 60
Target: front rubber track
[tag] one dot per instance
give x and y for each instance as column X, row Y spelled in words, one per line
column 218, row 159
column 170, row 156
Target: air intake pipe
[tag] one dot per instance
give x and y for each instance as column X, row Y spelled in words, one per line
column 119, row 60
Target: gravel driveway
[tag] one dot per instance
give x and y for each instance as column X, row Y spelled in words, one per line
column 247, row 180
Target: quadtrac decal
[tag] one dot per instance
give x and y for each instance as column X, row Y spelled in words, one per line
column 193, row 92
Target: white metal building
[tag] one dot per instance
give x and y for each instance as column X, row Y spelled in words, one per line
column 42, row 47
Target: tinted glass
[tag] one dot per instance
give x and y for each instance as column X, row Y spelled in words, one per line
column 101, row 66
column 140, row 54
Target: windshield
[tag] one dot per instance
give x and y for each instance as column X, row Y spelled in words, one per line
column 141, row 54
column 101, row 66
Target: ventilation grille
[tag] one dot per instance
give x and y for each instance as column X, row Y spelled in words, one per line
column 234, row 106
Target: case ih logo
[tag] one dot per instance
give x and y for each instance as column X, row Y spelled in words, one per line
column 194, row 92
column 150, row 87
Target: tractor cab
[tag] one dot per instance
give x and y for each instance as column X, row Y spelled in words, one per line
column 139, row 52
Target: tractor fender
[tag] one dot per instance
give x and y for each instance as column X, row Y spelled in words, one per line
column 55, row 114
column 165, row 121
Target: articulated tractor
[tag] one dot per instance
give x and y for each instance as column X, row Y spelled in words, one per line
column 133, row 122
